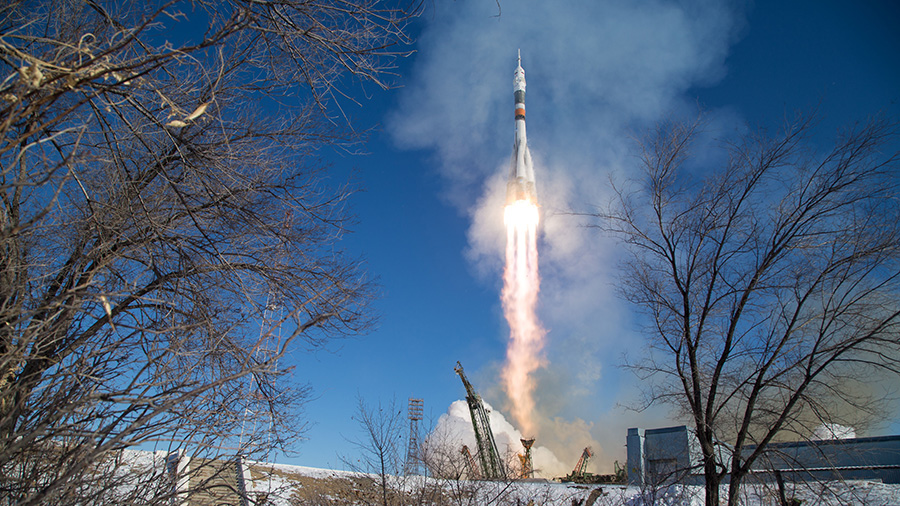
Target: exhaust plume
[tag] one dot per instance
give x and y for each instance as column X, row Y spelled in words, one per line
column 521, row 284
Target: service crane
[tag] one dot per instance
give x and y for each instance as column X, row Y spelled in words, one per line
column 492, row 467
column 474, row 474
column 579, row 474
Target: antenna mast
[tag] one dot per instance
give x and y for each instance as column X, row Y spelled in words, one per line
column 413, row 459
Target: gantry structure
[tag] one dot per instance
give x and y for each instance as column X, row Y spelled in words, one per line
column 525, row 459
column 492, row 467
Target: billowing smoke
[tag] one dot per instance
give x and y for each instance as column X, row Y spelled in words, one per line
column 598, row 74
column 454, row 429
column 833, row 431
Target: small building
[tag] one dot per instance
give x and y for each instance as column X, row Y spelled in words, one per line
column 200, row 481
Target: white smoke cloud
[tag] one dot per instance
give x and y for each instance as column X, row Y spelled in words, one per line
column 454, row 429
column 597, row 73
column 833, row 431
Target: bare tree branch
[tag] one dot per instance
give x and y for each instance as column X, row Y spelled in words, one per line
column 770, row 285
column 167, row 230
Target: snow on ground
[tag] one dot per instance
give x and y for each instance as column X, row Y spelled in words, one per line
column 289, row 485
column 285, row 483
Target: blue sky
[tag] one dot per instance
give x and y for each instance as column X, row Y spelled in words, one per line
column 598, row 73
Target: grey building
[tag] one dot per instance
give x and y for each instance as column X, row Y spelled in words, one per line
column 672, row 454
column 865, row 458
column 666, row 455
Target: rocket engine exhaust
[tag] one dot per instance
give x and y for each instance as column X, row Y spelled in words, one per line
column 521, row 281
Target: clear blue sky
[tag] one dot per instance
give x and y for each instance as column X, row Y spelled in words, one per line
column 598, row 74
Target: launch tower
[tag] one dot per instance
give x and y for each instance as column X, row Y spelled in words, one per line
column 492, row 467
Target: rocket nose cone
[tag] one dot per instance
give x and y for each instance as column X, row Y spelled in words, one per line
column 519, row 77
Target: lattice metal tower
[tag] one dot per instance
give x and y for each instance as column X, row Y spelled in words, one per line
column 257, row 430
column 471, row 466
column 413, row 459
column 492, row 467
column 527, row 464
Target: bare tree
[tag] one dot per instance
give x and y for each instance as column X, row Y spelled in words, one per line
column 770, row 285
column 161, row 197
column 380, row 447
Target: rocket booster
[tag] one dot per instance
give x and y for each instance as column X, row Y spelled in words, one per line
column 520, row 185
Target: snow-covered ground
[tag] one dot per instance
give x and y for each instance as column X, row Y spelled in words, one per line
column 288, row 485
column 284, row 484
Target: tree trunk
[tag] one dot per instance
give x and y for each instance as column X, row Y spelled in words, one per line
column 734, row 488
column 780, row 481
column 712, row 480
column 384, row 500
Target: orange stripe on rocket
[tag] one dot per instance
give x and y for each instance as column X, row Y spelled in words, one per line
column 520, row 185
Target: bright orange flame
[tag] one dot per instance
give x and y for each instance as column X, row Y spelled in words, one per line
column 521, row 284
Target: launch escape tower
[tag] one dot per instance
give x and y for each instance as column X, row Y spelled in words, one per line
column 492, row 467
column 413, row 461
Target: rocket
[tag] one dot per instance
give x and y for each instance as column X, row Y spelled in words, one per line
column 520, row 185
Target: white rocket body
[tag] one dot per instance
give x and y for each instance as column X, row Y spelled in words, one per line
column 520, row 185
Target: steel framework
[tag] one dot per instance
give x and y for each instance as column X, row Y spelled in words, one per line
column 413, row 459
column 492, row 467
